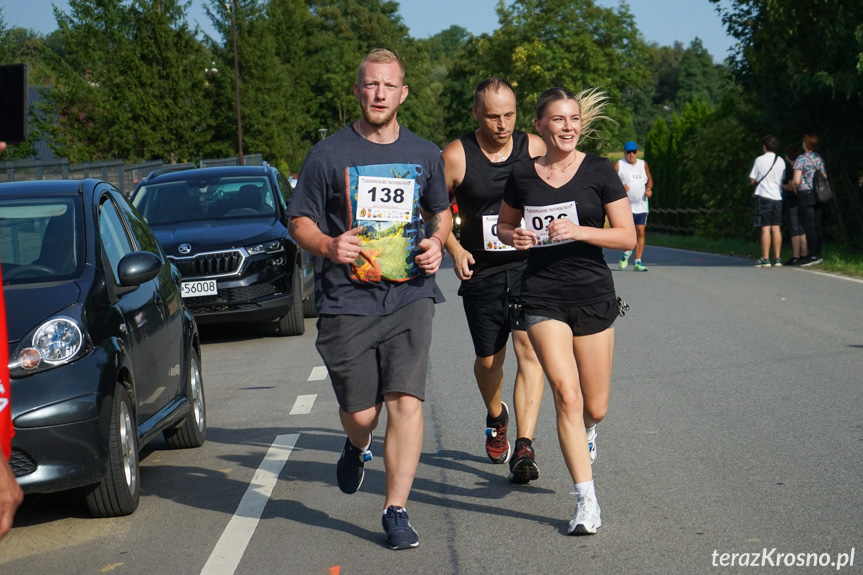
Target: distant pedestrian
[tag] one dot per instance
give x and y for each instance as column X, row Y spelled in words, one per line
column 766, row 176
column 810, row 211
column 638, row 183
column 790, row 210
column 372, row 207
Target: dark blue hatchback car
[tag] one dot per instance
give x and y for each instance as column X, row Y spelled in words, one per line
column 103, row 354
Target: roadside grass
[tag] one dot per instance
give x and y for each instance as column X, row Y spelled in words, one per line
column 838, row 259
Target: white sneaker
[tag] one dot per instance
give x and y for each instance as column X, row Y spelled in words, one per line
column 587, row 517
column 591, row 443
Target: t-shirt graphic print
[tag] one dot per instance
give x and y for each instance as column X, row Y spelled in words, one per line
column 384, row 200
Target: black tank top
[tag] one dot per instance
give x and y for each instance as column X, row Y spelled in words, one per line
column 480, row 194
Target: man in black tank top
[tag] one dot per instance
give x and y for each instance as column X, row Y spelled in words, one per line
column 477, row 166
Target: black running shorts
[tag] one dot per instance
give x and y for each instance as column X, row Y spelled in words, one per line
column 492, row 309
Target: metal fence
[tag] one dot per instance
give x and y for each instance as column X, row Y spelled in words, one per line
column 124, row 176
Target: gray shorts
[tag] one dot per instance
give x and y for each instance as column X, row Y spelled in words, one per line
column 369, row 356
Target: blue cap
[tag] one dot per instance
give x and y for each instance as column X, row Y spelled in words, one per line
column 630, row 146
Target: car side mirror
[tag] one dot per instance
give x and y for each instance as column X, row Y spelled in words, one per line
column 138, row 268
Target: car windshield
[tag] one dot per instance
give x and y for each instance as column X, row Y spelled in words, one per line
column 199, row 199
column 41, row 239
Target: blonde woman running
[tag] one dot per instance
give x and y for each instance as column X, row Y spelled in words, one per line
column 568, row 292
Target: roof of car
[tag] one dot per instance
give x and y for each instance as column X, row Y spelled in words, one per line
column 48, row 187
column 174, row 175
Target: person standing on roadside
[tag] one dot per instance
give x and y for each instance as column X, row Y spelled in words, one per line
column 766, row 176
column 556, row 206
column 367, row 196
column 11, row 495
column 810, row 211
column 638, row 183
column 477, row 167
column 791, row 212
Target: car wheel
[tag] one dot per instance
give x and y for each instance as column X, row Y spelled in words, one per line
column 309, row 308
column 192, row 431
column 119, row 491
column 292, row 322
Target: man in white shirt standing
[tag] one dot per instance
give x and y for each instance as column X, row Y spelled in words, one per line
column 766, row 176
column 638, row 183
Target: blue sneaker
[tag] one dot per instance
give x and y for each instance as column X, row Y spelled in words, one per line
column 400, row 532
column 350, row 468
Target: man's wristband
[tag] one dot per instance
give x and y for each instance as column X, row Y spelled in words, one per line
column 439, row 241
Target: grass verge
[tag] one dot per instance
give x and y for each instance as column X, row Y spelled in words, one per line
column 837, row 258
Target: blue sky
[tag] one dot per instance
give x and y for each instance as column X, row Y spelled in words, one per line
column 661, row 21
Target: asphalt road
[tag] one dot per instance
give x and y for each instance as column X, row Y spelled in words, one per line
column 735, row 427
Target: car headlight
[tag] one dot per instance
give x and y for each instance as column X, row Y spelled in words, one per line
column 58, row 341
column 272, row 247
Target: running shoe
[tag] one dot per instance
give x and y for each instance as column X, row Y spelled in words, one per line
column 639, row 267
column 522, row 466
column 591, row 443
column 812, row 261
column 587, row 517
column 350, row 468
column 762, row 263
column 793, row 261
column 400, row 532
column 624, row 261
column 496, row 442
column 777, row 263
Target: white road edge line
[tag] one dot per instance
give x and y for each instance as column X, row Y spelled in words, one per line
column 318, row 373
column 303, row 404
column 236, row 536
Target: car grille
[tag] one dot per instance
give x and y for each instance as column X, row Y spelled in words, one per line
column 211, row 264
column 21, row 463
column 235, row 299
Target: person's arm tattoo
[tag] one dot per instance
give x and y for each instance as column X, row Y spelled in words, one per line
column 432, row 225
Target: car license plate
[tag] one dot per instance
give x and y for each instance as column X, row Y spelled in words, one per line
column 200, row 288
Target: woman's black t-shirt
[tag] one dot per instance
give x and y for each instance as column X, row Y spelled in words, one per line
column 572, row 273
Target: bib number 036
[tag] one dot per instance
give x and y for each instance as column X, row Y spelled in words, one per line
column 537, row 218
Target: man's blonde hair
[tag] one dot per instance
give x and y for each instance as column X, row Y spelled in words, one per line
column 381, row 56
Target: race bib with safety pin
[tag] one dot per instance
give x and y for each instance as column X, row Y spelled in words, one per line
column 537, row 218
column 385, row 199
column 490, row 241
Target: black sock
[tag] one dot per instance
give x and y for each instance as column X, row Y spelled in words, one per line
column 499, row 420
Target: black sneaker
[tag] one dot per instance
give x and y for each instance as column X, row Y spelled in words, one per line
column 522, row 466
column 400, row 532
column 793, row 261
column 812, row 261
column 349, row 469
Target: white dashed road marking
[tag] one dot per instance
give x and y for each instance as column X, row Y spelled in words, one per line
column 236, row 536
column 303, row 404
column 318, row 373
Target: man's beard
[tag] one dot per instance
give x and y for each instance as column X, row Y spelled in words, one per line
column 378, row 121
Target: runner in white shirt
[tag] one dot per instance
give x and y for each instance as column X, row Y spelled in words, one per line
column 638, row 183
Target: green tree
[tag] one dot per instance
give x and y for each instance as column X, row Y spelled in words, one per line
column 699, row 78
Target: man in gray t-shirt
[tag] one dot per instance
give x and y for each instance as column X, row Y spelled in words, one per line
column 372, row 206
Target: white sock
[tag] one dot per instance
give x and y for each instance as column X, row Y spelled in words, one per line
column 590, row 431
column 627, row 253
column 585, row 490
